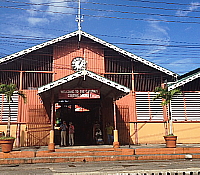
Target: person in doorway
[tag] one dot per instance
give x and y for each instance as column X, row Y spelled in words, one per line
column 95, row 127
column 63, row 128
column 99, row 139
column 109, row 131
column 71, row 134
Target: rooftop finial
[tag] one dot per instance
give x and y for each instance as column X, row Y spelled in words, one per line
column 79, row 18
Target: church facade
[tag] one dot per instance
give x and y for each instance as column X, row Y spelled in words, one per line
column 82, row 79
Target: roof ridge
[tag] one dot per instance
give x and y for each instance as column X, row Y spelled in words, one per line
column 94, row 38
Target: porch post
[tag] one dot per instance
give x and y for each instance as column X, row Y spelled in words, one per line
column 115, row 132
column 51, row 145
column 20, row 113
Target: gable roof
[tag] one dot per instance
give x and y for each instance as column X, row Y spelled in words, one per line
column 100, row 41
column 89, row 80
column 184, row 79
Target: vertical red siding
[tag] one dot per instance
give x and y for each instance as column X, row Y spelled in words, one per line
column 63, row 56
column 130, row 101
column 32, row 107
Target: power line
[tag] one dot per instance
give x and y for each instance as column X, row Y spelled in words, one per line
column 109, row 17
column 24, row 37
column 162, row 2
column 123, row 12
column 143, row 1
column 196, row 46
column 146, row 7
column 145, row 39
column 151, row 55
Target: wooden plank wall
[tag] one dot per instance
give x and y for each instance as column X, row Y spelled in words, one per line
column 64, row 53
column 34, row 115
column 123, row 124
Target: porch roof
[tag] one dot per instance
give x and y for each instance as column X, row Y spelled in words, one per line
column 185, row 79
column 85, row 79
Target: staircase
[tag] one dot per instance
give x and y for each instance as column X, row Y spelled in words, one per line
column 95, row 153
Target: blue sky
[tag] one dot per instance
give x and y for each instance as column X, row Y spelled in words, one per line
column 166, row 33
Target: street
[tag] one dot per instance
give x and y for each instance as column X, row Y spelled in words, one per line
column 110, row 168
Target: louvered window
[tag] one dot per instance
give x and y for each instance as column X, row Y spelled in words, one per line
column 147, row 109
column 186, row 107
column 4, row 109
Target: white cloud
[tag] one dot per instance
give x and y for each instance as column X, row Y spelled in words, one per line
column 156, row 35
column 63, row 7
column 51, row 10
column 181, row 65
column 193, row 6
column 35, row 21
column 53, row 7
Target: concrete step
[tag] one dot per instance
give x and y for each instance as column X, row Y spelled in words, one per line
column 183, row 150
column 86, row 159
column 70, row 154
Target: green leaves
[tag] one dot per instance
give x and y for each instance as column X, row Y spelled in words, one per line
column 166, row 95
column 6, row 138
column 9, row 89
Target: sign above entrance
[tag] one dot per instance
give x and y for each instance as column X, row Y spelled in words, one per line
column 79, row 94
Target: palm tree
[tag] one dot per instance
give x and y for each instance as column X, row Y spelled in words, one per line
column 167, row 96
column 8, row 90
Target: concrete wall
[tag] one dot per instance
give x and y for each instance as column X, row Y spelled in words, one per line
column 152, row 133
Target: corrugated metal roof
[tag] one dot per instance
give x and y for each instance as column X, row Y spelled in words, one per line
column 184, row 80
column 76, row 33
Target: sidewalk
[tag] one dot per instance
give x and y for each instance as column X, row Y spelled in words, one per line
column 45, row 148
column 96, row 153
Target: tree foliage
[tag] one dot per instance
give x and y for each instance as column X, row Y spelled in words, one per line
column 166, row 95
column 8, row 90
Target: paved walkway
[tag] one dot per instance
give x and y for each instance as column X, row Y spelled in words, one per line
column 43, row 148
column 145, row 167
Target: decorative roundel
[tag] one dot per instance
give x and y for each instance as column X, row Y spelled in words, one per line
column 78, row 64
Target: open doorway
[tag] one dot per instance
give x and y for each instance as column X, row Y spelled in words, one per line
column 84, row 114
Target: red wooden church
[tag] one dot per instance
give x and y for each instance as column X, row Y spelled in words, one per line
column 82, row 79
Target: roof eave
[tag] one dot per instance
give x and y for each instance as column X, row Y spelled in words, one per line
column 183, row 81
column 78, row 32
column 83, row 73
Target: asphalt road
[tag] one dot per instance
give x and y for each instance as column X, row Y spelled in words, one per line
column 105, row 168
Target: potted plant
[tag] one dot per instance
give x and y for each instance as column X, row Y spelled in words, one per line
column 166, row 97
column 8, row 90
column 6, row 144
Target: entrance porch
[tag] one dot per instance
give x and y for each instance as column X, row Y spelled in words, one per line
column 102, row 109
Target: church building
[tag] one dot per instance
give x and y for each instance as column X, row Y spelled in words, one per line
column 82, row 79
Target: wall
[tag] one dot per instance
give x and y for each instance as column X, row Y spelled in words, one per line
column 130, row 101
column 152, row 133
column 64, row 54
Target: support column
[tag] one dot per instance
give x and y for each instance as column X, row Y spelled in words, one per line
column 136, row 133
column 51, row 145
column 20, row 112
column 115, row 132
